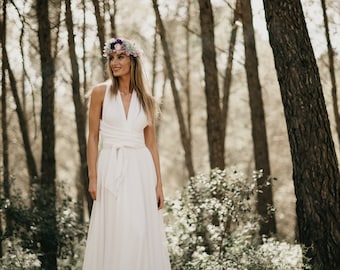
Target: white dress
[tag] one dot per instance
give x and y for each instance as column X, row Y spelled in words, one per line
column 126, row 229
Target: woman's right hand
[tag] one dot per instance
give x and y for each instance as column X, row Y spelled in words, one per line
column 93, row 189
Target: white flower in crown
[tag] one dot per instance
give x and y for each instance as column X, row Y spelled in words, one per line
column 118, row 47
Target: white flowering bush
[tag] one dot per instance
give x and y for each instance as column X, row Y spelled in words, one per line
column 20, row 251
column 16, row 257
column 212, row 226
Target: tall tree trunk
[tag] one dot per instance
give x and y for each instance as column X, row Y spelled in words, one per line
column 214, row 127
column 4, row 129
column 84, row 51
column 331, row 69
column 154, row 62
column 315, row 166
column 228, row 71
column 183, row 130
column 259, row 134
column 187, row 88
column 30, row 160
column 100, row 25
column 78, row 104
column 25, row 74
column 46, row 196
column 113, row 11
column 153, row 82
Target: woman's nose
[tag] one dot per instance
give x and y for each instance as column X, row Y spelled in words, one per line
column 114, row 61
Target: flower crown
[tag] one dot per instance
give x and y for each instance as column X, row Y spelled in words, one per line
column 121, row 46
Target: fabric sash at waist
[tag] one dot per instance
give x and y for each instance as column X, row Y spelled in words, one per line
column 118, row 141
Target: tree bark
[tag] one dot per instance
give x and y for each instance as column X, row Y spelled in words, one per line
column 214, row 127
column 4, row 129
column 78, row 104
column 228, row 71
column 30, row 160
column 187, row 88
column 331, row 69
column 100, row 25
column 259, row 134
column 25, row 74
column 84, row 50
column 183, row 130
column 113, row 17
column 315, row 166
column 46, row 196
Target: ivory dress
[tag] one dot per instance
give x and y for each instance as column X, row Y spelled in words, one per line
column 126, row 229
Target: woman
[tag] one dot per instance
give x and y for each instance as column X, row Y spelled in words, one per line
column 126, row 228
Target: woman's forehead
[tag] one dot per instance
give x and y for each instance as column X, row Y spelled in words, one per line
column 117, row 54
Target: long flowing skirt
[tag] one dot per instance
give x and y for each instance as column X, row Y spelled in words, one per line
column 126, row 231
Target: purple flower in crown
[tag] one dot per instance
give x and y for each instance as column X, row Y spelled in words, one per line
column 121, row 46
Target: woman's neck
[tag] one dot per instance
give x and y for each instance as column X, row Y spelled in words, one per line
column 124, row 85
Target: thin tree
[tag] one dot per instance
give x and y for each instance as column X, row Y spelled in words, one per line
column 84, row 51
column 228, row 71
column 315, row 166
column 30, row 160
column 153, row 81
column 100, row 24
column 46, row 194
column 4, row 129
column 259, row 134
column 78, row 103
column 330, row 52
column 214, row 115
column 112, row 9
column 183, row 129
column 187, row 88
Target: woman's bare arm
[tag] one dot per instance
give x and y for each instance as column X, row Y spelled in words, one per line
column 151, row 144
column 95, row 112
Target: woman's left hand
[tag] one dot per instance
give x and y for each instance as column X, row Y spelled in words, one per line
column 160, row 197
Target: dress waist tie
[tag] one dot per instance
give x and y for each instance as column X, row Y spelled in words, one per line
column 118, row 142
column 117, row 167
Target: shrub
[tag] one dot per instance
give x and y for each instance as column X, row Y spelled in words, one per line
column 212, row 226
column 21, row 250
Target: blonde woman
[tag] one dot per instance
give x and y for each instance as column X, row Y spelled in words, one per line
column 126, row 228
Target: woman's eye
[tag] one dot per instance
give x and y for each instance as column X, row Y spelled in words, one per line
column 110, row 58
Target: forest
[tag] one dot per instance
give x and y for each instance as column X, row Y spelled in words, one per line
column 248, row 128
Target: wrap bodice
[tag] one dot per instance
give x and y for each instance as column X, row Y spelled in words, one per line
column 120, row 133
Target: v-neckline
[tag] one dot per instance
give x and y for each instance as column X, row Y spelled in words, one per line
column 126, row 113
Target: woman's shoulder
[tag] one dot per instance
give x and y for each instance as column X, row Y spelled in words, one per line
column 100, row 88
column 98, row 91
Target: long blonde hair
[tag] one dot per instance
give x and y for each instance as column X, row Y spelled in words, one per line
column 136, row 83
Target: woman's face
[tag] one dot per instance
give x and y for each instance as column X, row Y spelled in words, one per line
column 120, row 64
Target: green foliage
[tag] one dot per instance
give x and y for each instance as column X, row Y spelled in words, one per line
column 212, row 227
column 22, row 247
column 72, row 235
column 16, row 257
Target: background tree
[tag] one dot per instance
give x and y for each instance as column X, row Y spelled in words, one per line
column 258, row 125
column 78, row 104
column 100, row 25
column 30, row 160
column 112, row 9
column 46, row 196
column 214, row 127
column 4, row 134
column 315, row 166
column 229, row 68
column 183, row 129
column 330, row 52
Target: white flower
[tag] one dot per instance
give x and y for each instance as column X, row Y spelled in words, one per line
column 118, row 47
